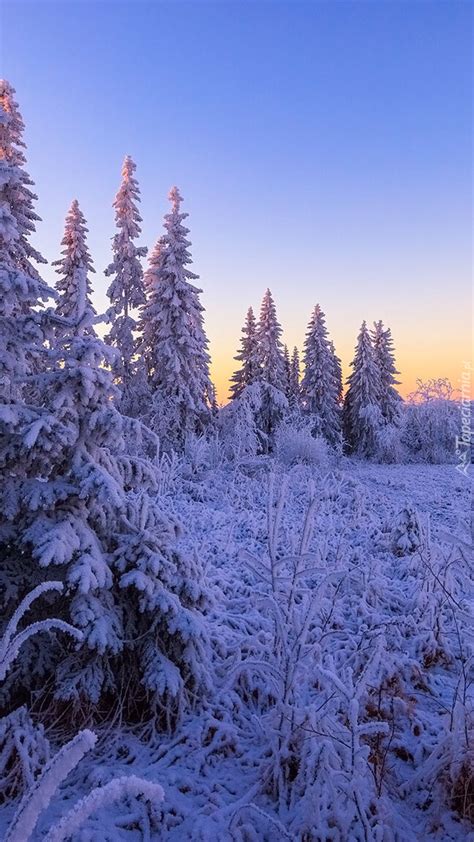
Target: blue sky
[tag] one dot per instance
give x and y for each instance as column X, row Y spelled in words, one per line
column 322, row 149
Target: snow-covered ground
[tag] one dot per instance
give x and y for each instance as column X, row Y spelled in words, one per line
column 341, row 631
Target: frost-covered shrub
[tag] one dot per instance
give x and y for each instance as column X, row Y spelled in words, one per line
column 429, row 431
column 389, row 446
column 238, row 430
column 293, row 445
column 248, row 424
column 202, row 453
column 407, row 533
column 167, row 473
column 446, row 776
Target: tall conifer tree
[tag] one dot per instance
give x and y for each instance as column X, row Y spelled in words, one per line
column 74, row 304
column 362, row 415
column 294, row 390
column 16, row 193
column 173, row 342
column 247, row 356
column 319, row 387
column 270, row 348
column 126, row 291
column 385, row 359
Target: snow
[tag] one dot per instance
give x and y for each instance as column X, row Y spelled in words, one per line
column 221, row 771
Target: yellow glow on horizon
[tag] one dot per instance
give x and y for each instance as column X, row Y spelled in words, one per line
column 416, row 359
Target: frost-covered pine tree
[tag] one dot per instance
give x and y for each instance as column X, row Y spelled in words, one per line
column 17, row 197
column 87, row 509
column 287, row 370
column 126, row 291
column 385, row 359
column 73, row 501
column 23, row 324
column 173, row 344
column 362, row 415
column 99, row 522
column 294, row 381
column 337, row 372
column 272, row 401
column 270, row 347
column 247, row 356
column 29, row 434
column 74, row 289
column 319, row 387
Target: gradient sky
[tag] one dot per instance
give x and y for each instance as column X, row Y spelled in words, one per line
column 323, row 149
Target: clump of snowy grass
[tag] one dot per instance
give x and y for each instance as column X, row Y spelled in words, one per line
column 38, row 797
column 310, row 709
column 129, row 786
column 24, row 751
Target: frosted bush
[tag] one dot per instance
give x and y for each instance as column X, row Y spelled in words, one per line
column 238, row 430
column 167, row 473
column 429, row 431
column 248, row 424
column 407, row 533
column 294, row 446
column 389, row 447
column 202, row 453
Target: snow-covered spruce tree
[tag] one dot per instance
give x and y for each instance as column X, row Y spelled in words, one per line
column 287, row 369
column 72, row 501
column 126, row 291
column 385, row 359
column 319, row 387
column 362, row 416
column 22, row 324
column 294, row 381
column 17, row 198
column 273, row 402
column 74, row 305
column 91, row 515
column 172, row 342
column 247, row 356
column 337, row 373
column 30, row 435
column 270, row 348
